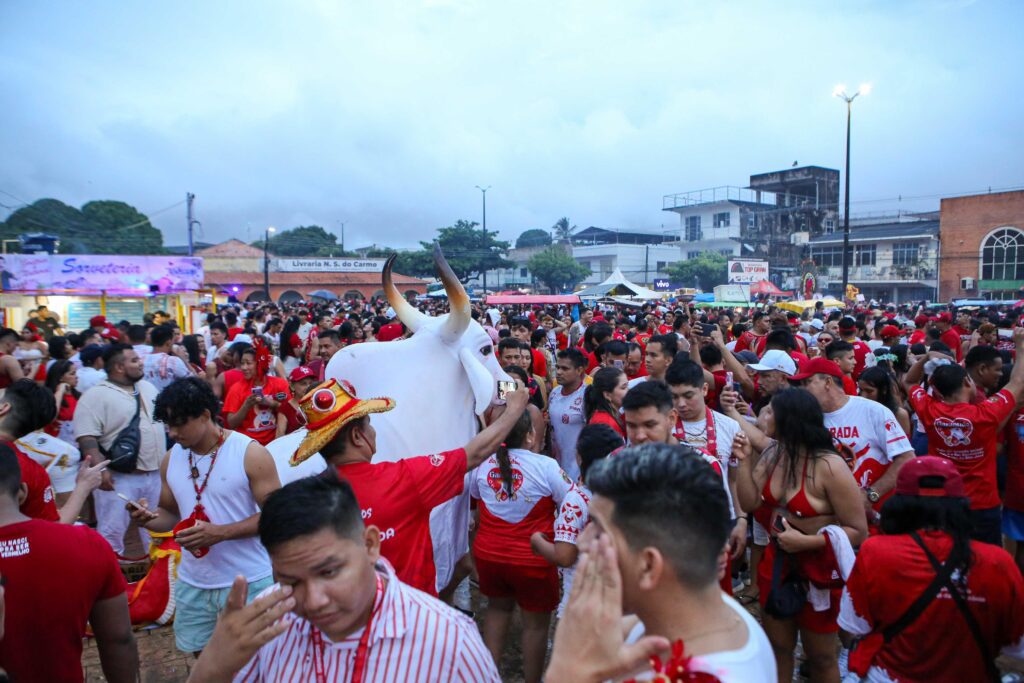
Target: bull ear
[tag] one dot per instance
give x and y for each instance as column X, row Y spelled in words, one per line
column 480, row 380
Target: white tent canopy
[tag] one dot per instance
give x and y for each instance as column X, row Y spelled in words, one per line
column 617, row 285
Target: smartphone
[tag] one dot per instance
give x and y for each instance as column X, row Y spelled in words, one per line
column 729, row 379
column 706, row 329
column 129, row 501
column 505, row 388
column 257, row 392
column 619, row 364
column 777, row 524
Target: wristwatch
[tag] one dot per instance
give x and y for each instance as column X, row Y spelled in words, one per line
column 872, row 494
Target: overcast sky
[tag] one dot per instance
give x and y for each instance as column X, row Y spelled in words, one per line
column 385, row 115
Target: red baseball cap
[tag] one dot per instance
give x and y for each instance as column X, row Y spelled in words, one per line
column 300, row 373
column 97, row 321
column 818, row 366
column 921, row 320
column 890, row 331
column 930, row 476
column 943, row 318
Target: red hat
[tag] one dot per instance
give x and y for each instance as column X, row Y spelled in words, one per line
column 110, row 333
column 930, row 476
column 921, row 320
column 890, row 331
column 943, row 317
column 98, row 321
column 389, row 332
column 818, row 366
column 300, row 373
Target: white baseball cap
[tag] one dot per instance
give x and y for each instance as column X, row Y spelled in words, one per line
column 817, row 324
column 775, row 360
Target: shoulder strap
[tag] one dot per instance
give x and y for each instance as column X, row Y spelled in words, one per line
column 968, row 615
column 138, row 402
column 942, row 576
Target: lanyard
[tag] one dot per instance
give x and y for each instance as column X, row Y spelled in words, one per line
column 320, row 669
column 711, row 447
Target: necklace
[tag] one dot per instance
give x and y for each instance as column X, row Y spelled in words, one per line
column 193, row 464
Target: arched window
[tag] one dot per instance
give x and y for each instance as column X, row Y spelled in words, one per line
column 1002, row 255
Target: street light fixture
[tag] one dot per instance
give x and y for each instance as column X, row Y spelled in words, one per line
column 266, row 262
column 483, row 192
column 840, row 92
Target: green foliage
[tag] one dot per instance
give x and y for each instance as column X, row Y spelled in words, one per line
column 100, row 227
column 468, row 250
column 563, row 231
column 709, row 269
column 533, row 238
column 307, row 240
column 557, row 269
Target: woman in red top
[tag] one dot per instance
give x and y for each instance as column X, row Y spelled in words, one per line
column 252, row 404
column 799, row 485
column 195, row 347
column 603, row 398
column 62, row 380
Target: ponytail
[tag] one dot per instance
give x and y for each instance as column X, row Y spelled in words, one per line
column 514, row 439
column 605, row 379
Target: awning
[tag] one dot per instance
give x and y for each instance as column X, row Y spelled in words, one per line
column 529, row 299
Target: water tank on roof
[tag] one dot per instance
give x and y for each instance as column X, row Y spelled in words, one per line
column 36, row 242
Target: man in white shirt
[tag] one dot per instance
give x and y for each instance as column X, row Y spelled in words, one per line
column 659, row 525
column 138, row 338
column 91, row 373
column 338, row 612
column 161, row 366
column 661, row 351
column 565, row 409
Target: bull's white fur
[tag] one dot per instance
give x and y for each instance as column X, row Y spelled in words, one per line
column 439, row 387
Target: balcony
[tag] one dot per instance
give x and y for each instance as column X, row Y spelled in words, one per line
column 922, row 273
column 712, row 195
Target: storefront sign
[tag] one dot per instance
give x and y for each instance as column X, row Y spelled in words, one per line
column 92, row 273
column 328, row 265
column 747, row 272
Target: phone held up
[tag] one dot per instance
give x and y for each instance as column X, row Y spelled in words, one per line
column 505, row 387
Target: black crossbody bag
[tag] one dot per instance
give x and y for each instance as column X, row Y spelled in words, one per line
column 123, row 453
column 788, row 594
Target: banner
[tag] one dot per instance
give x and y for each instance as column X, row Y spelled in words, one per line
column 328, row 265
column 747, row 272
column 92, row 273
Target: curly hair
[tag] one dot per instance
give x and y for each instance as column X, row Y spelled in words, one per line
column 186, row 399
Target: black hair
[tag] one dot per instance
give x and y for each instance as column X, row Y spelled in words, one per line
column 185, row 399
column 948, row 379
column 799, row 429
column 161, row 334
column 595, row 442
column 520, row 321
column 231, row 319
column 58, row 347
column 781, row 339
column 336, row 446
column 710, row 355
column 667, row 497
column 538, row 336
column 605, row 379
column 903, row 514
column 191, row 344
column 574, row 356
column 333, row 335
column 669, row 344
column 309, row 505
column 218, row 325
column 137, row 334
column 981, row 355
column 54, row 374
column 239, row 348
column 7, row 332
column 10, row 471
column 900, row 365
column 515, row 439
column 76, row 340
column 883, row 382
column 32, row 408
column 613, row 347
column 508, row 343
column 291, row 327
column 685, row 372
column 646, row 394
column 837, row 348
column 113, row 355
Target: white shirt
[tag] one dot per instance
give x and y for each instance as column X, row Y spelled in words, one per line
column 161, row 369
column 867, row 434
column 573, row 516
column 726, row 429
column 414, row 638
column 60, row 458
column 567, row 421
column 752, row 663
column 89, row 377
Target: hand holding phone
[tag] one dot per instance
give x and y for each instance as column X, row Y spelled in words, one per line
column 130, row 502
column 505, row 387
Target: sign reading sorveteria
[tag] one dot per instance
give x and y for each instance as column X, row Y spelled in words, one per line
column 320, row 265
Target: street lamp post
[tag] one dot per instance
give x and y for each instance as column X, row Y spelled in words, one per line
column 266, row 262
column 483, row 193
column 840, row 92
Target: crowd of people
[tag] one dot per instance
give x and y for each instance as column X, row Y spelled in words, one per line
column 853, row 476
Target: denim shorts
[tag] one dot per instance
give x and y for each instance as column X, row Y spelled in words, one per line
column 196, row 610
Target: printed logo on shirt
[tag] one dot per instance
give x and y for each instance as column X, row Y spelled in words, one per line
column 367, row 513
column 14, row 547
column 497, row 485
column 47, row 494
column 954, row 431
column 437, row 459
column 386, row 534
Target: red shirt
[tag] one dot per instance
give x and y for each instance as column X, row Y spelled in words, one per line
column 46, row 621
column 849, row 386
column 39, row 503
column 260, row 422
column 889, row 575
column 540, row 363
column 231, row 377
column 1013, row 495
column 397, row 497
column 234, row 332
column 600, row 417
column 65, row 414
column 917, row 337
column 968, row 435
column 747, row 340
column 951, row 339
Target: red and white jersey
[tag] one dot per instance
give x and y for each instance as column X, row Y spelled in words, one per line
column 413, row 638
column 868, row 437
column 573, row 516
column 718, row 453
column 539, row 486
column 567, row 421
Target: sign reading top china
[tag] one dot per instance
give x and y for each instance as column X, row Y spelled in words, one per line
column 94, row 273
column 747, row 272
column 328, row 265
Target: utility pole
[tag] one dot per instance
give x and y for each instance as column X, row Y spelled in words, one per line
column 342, row 237
column 483, row 191
column 189, row 198
column 840, row 92
column 266, row 262
column 647, row 259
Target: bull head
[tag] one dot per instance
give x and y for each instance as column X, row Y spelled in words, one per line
column 451, row 330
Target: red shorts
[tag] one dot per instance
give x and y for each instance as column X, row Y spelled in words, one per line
column 534, row 588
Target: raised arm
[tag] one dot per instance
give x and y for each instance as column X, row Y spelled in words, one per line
column 1016, row 383
column 732, row 364
column 487, row 441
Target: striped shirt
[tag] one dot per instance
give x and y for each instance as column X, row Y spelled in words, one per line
column 414, row 637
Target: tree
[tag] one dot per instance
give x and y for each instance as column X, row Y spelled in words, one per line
column 563, row 231
column 468, row 250
column 307, row 240
column 557, row 269
column 533, row 238
column 100, row 227
column 709, row 269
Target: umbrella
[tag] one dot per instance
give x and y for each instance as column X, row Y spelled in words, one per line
column 765, row 287
column 324, row 294
column 799, row 306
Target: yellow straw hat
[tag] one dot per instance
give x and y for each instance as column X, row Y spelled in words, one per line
column 328, row 408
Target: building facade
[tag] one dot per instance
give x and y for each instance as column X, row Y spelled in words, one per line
column 982, row 246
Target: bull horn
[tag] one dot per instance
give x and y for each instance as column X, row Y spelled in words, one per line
column 412, row 318
column 458, row 300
